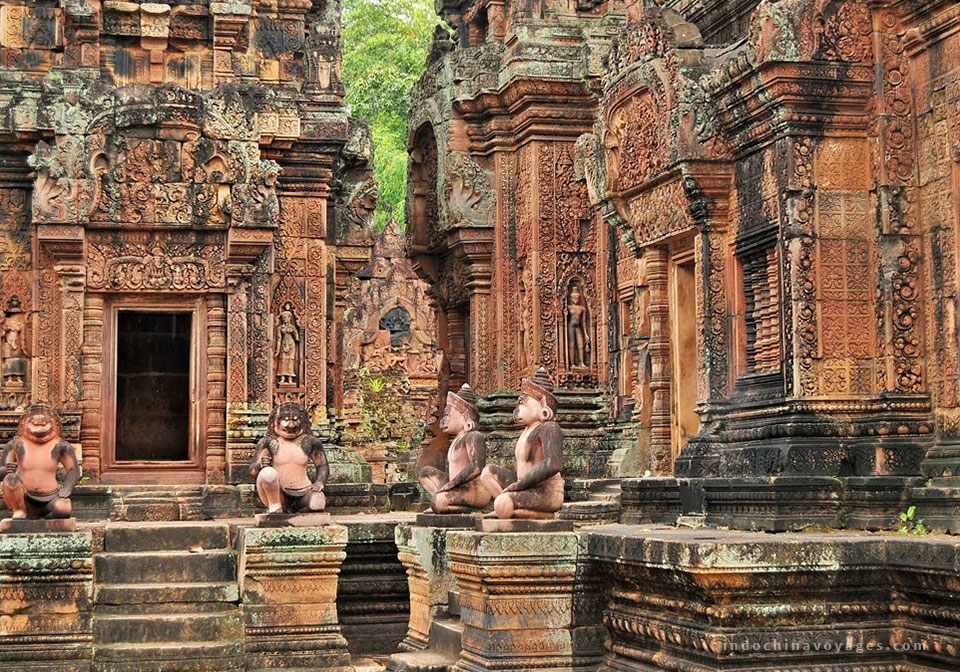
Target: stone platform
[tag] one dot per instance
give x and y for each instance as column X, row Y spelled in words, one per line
column 776, row 504
column 806, row 602
column 34, row 526
column 136, row 503
column 518, row 602
column 288, row 586
column 46, row 602
column 205, row 596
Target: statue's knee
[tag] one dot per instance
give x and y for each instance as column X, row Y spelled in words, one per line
column 268, row 476
column 503, row 505
column 12, row 480
column 62, row 508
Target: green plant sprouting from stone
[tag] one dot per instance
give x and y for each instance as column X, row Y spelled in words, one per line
column 385, row 418
column 911, row 525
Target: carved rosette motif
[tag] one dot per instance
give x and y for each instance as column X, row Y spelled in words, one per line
column 897, row 123
column 800, row 248
column 906, row 336
column 547, row 270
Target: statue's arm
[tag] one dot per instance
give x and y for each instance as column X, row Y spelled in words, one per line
column 262, row 445
column 11, row 456
column 9, row 448
column 476, row 447
column 550, row 437
column 68, row 458
column 320, row 461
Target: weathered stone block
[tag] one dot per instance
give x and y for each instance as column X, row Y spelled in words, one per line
column 46, row 598
column 516, row 599
column 714, row 599
column 423, row 552
column 288, row 585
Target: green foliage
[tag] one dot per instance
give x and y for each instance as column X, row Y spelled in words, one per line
column 910, row 526
column 384, row 415
column 385, row 44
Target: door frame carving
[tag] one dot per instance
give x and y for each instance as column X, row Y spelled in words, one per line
column 154, row 471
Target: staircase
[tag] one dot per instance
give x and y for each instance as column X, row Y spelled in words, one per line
column 443, row 652
column 159, row 607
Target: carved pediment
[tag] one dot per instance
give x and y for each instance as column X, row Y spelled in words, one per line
column 157, row 156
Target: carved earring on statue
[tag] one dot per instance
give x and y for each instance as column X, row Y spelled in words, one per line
column 469, row 425
column 546, row 413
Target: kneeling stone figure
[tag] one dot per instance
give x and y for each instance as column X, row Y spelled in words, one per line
column 460, row 489
column 280, row 463
column 536, row 489
column 30, row 486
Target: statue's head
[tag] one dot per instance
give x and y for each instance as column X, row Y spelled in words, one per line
column 461, row 414
column 39, row 423
column 575, row 295
column 290, row 420
column 536, row 401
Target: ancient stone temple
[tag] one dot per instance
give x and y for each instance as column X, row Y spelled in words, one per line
column 730, row 227
column 184, row 203
column 678, row 297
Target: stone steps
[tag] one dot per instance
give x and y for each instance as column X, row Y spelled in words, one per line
column 154, row 595
column 161, row 608
column 164, row 567
column 215, row 626
column 446, row 636
column 443, row 651
column 136, row 538
column 170, row 657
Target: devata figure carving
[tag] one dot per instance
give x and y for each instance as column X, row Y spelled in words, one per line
column 14, row 358
column 539, row 491
column 578, row 344
column 288, row 348
column 460, row 490
column 280, row 463
column 30, row 487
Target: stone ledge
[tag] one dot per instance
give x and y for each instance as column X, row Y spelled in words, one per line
column 690, row 597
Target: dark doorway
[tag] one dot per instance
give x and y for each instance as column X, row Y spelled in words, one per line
column 153, row 386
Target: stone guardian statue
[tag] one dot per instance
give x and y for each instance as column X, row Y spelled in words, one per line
column 536, row 489
column 280, row 463
column 31, row 458
column 460, row 489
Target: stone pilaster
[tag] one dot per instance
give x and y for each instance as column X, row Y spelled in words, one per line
column 516, row 599
column 46, row 598
column 422, row 550
column 288, row 585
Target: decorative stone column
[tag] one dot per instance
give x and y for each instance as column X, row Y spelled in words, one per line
column 516, row 599
column 46, row 598
column 422, row 550
column 288, row 585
